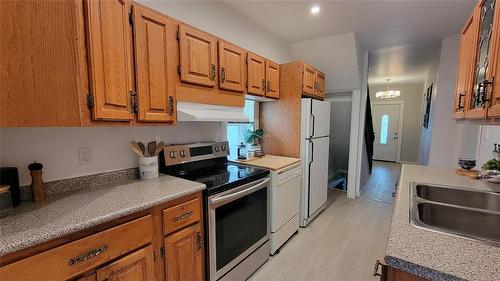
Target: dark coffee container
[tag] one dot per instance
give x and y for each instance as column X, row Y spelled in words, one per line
column 10, row 176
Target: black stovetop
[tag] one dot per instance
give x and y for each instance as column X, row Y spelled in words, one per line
column 217, row 174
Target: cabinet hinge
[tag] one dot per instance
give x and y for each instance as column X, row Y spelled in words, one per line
column 162, row 251
column 179, row 69
column 177, row 35
column 90, row 101
column 133, row 101
column 171, row 105
column 131, row 18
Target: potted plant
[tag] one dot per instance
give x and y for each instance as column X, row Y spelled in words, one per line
column 254, row 139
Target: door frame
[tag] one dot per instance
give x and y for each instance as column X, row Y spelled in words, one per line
column 400, row 124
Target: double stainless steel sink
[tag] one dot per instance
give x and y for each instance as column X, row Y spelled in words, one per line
column 456, row 211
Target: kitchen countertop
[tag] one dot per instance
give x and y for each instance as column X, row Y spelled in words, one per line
column 432, row 255
column 272, row 162
column 66, row 213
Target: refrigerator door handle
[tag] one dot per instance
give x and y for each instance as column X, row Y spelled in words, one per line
column 311, row 152
column 312, row 120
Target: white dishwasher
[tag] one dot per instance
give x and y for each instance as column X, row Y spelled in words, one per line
column 285, row 204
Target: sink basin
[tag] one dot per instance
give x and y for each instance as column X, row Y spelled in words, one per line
column 460, row 221
column 456, row 211
column 458, row 196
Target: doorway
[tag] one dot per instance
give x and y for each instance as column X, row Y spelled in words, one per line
column 387, row 124
column 340, row 130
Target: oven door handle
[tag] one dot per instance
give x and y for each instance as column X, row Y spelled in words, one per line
column 238, row 193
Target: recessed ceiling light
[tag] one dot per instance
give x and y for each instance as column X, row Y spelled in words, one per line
column 315, row 9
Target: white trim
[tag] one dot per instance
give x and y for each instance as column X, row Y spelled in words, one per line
column 353, row 177
column 400, row 124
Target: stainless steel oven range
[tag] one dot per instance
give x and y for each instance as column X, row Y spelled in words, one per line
column 236, row 205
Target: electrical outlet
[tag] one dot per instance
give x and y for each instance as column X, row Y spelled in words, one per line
column 86, row 156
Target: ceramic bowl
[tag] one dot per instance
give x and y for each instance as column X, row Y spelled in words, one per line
column 466, row 163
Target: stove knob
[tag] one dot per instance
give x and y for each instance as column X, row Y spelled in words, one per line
column 224, row 147
column 172, row 155
column 217, row 149
column 182, row 153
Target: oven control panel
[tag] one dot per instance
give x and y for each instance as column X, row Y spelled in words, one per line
column 184, row 153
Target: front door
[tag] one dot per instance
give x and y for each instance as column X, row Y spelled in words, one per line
column 386, row 118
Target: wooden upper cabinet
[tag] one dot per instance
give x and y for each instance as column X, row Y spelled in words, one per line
column 309, row 80
column 477, row 103
column 465, row 67
column 137, row 266
column 256, row 74
column 110, row 58
column 184, row 254
column 198, row 56
column 494, row 110
column 320, row 84
column 273, row 80
column 231, row 67
column 154, row 43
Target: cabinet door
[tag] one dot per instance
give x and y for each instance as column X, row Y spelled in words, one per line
column 231, row 67
column 184, row 254
column 273, row 80
column 308, row 80
column 320, row 84
column 478, row 101
column 494, row 110
column 154, row 42
column 256, row 74
column 465, row 66
column 110, row 58
column 197, row 56
column 137, row 266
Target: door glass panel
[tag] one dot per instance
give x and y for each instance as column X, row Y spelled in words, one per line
column 486, row 27
column 239, row 225
column 384, row 127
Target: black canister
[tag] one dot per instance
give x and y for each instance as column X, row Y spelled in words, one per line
column 9, row 176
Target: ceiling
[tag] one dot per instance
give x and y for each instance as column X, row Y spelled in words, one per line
column 378, row 24
column 402, row 64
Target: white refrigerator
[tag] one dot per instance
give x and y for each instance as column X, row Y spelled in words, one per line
column 314, row 148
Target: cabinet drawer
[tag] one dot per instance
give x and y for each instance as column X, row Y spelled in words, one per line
column 181, row 215
column 71, row 259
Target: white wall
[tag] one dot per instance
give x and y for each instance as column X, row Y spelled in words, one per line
column 411, row 94
column 223, row 21
column 449, row 139
column 426, row 133
column 57, row 148
column 337, row 57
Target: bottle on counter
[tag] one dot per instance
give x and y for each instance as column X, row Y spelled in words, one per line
column 37, row 184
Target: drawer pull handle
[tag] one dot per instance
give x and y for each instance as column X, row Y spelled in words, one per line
column 184, row 216
column 90, row 254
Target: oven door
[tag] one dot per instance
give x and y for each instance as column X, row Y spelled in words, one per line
column 238, row 225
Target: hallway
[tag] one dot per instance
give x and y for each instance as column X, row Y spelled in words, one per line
column 344, row 242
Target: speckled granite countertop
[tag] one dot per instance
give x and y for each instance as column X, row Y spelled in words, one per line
column 66, row 213
column 432, row 255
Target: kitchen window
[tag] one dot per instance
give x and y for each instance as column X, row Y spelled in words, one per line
column 236, row 131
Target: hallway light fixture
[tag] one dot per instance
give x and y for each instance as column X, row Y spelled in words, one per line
column 387, row 94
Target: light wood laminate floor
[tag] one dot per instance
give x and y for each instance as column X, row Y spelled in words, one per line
column 344, row 242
